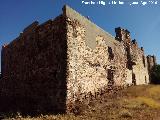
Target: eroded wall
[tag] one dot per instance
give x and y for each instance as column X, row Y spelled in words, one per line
column 34, row 69
column 97, row 61
column 50, row 66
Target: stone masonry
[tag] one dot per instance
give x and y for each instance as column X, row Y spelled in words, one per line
column 50, row 66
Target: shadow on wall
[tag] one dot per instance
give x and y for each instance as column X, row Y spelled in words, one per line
column 34, row 73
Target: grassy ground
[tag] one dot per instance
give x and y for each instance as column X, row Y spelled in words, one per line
column 134, row 103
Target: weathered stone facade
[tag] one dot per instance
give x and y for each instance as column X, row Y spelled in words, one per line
column 151, row 62
column 50, row 66
column 34, row 69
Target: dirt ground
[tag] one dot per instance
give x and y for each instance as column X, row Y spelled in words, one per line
column 134, row 103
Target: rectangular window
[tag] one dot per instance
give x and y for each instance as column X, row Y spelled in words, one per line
column 143, row 57
column 133, row 79
column 110, row 75
column 145, row 79
column 110, row 52
column 129, row 63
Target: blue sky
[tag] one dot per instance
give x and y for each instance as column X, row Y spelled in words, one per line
column 142, row 21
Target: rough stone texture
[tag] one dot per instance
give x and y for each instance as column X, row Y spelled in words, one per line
column 151, row 62
column 51, row 66
column 97, row 61
column 34, row 69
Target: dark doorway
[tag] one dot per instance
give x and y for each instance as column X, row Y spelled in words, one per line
column 144, row 63
column 110, row 78
column 133, row 79
column 129, row 63
column 145, row 79
column 110, row 52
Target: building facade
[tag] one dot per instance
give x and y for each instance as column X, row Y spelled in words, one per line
column 50, row 66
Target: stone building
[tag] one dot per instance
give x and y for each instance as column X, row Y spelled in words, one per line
column 49, row 66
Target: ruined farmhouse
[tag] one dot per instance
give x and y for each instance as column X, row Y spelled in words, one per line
column 51, row 65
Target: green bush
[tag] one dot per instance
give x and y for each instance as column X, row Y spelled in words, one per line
column 155, row 75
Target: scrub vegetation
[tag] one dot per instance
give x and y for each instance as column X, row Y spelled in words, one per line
column 133, row 103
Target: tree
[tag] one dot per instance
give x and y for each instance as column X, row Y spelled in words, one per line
column 155, row 74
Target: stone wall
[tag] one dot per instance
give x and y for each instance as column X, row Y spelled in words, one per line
column 51, row 66
column 97, row 61
column 34, row 69
column 151, row 62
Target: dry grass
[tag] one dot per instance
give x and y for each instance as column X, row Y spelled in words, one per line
column 135, row 103
column 140, row 101
column 154, row 92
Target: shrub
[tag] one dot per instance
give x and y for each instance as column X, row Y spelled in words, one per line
column 125, row 114
column 155, row 75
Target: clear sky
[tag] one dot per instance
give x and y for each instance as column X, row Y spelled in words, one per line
column 142, row 21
